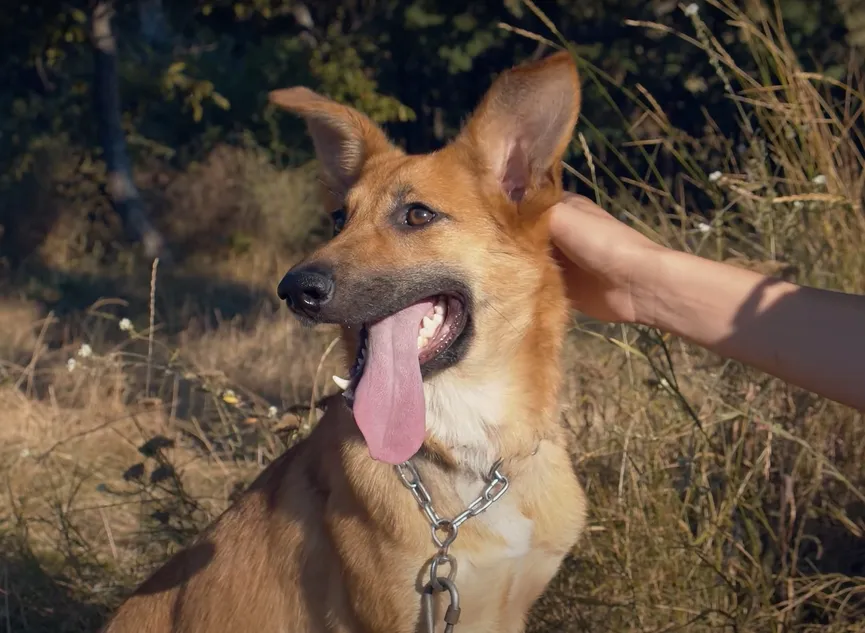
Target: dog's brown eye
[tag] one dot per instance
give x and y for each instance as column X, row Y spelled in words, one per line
column 418, row 215
column 338, row 221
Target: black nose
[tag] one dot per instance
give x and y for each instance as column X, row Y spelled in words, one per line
column 306, row 289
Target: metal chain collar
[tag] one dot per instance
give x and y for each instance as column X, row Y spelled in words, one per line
column 444, row 533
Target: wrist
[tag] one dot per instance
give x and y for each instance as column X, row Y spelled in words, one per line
column 697, row 298
column 647, row 284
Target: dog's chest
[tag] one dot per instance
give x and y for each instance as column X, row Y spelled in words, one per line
column 510, row 532
column 500, row 569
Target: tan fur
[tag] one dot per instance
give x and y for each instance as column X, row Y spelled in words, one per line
column 328, row 539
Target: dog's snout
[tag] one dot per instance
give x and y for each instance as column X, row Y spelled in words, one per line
column 306, row 289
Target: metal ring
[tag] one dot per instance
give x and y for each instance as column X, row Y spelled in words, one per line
column 437, row 560
column 452, row 614
column 448, row 526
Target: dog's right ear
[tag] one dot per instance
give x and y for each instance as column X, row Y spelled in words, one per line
column 343, row 137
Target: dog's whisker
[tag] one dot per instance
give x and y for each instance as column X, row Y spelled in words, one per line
column 489, row 304
column 328, row 188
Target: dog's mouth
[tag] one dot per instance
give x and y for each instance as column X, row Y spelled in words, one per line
column 438, row 333
column 394, row 353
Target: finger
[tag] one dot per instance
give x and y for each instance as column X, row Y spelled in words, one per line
column 571, row 265
column 584, row 203
column 571, row 227
column 563, row 261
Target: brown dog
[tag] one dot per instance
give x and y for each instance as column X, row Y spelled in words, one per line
column 445, row 448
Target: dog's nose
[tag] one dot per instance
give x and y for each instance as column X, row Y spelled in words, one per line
column 306, row 289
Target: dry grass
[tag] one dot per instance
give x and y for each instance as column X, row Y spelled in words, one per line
column 721, row 500
column 248, row 214
column 113, row 454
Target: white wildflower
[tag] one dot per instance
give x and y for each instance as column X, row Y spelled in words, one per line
column 702, row 227
column 85, row 351
column 664, row 383
column 692, row 9
column 71, row 364
column 819, row 179
column 272, row 412
column 695, row 84
column 125, row 325
column 715, row 176
column 798, row 205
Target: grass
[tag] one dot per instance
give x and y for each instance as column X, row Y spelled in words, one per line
column 720, row 499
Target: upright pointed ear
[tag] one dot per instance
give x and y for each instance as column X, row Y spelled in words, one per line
column 523, row 125
column 344, row 139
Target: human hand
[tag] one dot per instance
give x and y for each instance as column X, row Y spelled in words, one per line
column 609, row 267
column 613, row 273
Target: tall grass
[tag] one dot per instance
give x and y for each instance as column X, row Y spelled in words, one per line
column 721, row 499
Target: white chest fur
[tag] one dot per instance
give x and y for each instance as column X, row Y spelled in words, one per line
column 465, row 417
column 503, row 518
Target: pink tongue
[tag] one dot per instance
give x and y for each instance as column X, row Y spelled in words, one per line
column 389, row 403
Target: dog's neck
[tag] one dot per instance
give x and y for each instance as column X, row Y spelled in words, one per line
column 462, row 421
column 472, row 425
column 504, row 415
column 504, row 406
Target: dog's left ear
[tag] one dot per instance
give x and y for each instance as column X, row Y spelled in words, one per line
column 523, row 125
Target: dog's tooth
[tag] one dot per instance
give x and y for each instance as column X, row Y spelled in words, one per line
column 439, row 309
column 342, row 383
column 437, row 319
column 428, row 323
column 421, row 341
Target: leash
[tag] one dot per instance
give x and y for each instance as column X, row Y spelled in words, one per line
column 444, row 533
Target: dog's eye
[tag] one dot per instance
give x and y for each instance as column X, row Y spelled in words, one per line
column 417, row 215
column 338, row 220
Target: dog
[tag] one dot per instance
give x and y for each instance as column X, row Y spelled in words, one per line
column 437, row 492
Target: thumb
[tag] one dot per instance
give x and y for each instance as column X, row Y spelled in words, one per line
column 576, row 225
column 574, row 202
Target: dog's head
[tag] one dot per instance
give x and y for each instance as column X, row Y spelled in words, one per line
column 440, row 262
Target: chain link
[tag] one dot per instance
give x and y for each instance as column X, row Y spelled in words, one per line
column 444, row 533
column 497, row 486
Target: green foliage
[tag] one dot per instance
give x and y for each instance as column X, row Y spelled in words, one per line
column 418, row 68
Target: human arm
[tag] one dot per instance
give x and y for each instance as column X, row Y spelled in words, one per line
column 808, row 337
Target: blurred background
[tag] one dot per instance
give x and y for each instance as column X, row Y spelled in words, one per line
column 151, row 199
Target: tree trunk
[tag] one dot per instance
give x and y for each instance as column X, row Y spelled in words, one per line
column 152, row 23
column 120, row 186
